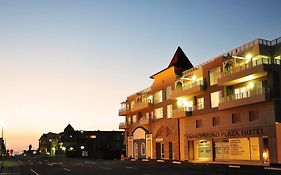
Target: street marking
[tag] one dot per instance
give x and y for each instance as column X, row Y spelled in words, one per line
column 272, row 168
column 145, row 160
column 105, row 168
column 131, row 167
column 67, row 169
column 50, row 164
column 34, row 172
column 234, row 166
column 9, row 173
column 176, row 162
column 90, row 162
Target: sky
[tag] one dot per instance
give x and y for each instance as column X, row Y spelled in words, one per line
column 73, row 62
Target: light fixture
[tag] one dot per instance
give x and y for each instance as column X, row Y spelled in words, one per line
column 251, row 85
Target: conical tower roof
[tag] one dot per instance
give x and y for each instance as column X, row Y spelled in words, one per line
column 179, row 60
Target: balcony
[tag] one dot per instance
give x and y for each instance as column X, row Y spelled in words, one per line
column 142, row 105
column 182, row 112
column 245, row 72
column 124, row 111
column 144, row 120
column 190, row 89
column 245, row 98
column 123, row 125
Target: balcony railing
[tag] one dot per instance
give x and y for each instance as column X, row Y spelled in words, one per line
column 123, row 125
column 191, row 85
column 141, row 105
column 182, row 112
column 257, row 62
column 246, row 94
column 190, row 89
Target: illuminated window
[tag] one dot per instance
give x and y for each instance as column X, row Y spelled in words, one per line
column 168, row 92
column 200, row 103
column 129, row 120
column 162, row 151
column 134, row 119
column 158, row 113
column 215, row 96
column 132, row 104
column 169, row 111
column 214, row 75
column 93, row 136
column 158, row 97
column 143, row 149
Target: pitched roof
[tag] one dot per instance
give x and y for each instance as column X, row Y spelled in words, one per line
column 68, row 128
column 179, row 60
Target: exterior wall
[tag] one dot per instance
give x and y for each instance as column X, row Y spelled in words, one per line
column 278, row 139
column 181, row 133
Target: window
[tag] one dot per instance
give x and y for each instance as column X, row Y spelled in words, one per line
column 200, row 103
column 143, row 149
column 213, row 76
column 129, row 120
column 252, row 116
column 215, row 121
column 158, row 97
column 134, row 118
column 198, row 123
column 158, row 113
column 235, row 118
column 169, row 111
column 151, row 115
column 168, row 92
column 215, row 96
column 162, row 151
column 132, row 104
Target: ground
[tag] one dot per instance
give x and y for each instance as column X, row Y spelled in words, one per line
column 42, row 165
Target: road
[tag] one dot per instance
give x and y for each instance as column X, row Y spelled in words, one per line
column 39, row 165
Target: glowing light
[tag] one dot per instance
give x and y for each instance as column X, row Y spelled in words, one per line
column 179, row 103
column 248, row 56
column 71, row 148
column 82, row 147
column 251, row 85
column 63, row 148
column 93, row 136
column 193, row 78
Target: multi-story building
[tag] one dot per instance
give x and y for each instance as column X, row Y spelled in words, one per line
column 227, row 109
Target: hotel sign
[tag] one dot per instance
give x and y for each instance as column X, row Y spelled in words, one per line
column 228, row 133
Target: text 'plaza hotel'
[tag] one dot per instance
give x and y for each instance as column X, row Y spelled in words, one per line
column 227, row 109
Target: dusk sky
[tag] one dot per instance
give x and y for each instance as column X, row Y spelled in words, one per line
column 70, row 61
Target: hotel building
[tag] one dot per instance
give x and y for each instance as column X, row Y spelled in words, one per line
column 227, row 109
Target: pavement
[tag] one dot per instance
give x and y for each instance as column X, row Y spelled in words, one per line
column 46, row 165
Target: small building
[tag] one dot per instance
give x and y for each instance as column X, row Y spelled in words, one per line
column 79, row 143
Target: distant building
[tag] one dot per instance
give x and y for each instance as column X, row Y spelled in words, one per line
column 78, row 143
column 227, row 109
column 2, row 147
column 48, row 143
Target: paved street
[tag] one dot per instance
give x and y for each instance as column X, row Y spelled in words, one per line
column 39, row 165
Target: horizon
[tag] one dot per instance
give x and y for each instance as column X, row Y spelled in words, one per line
column 69, row 62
